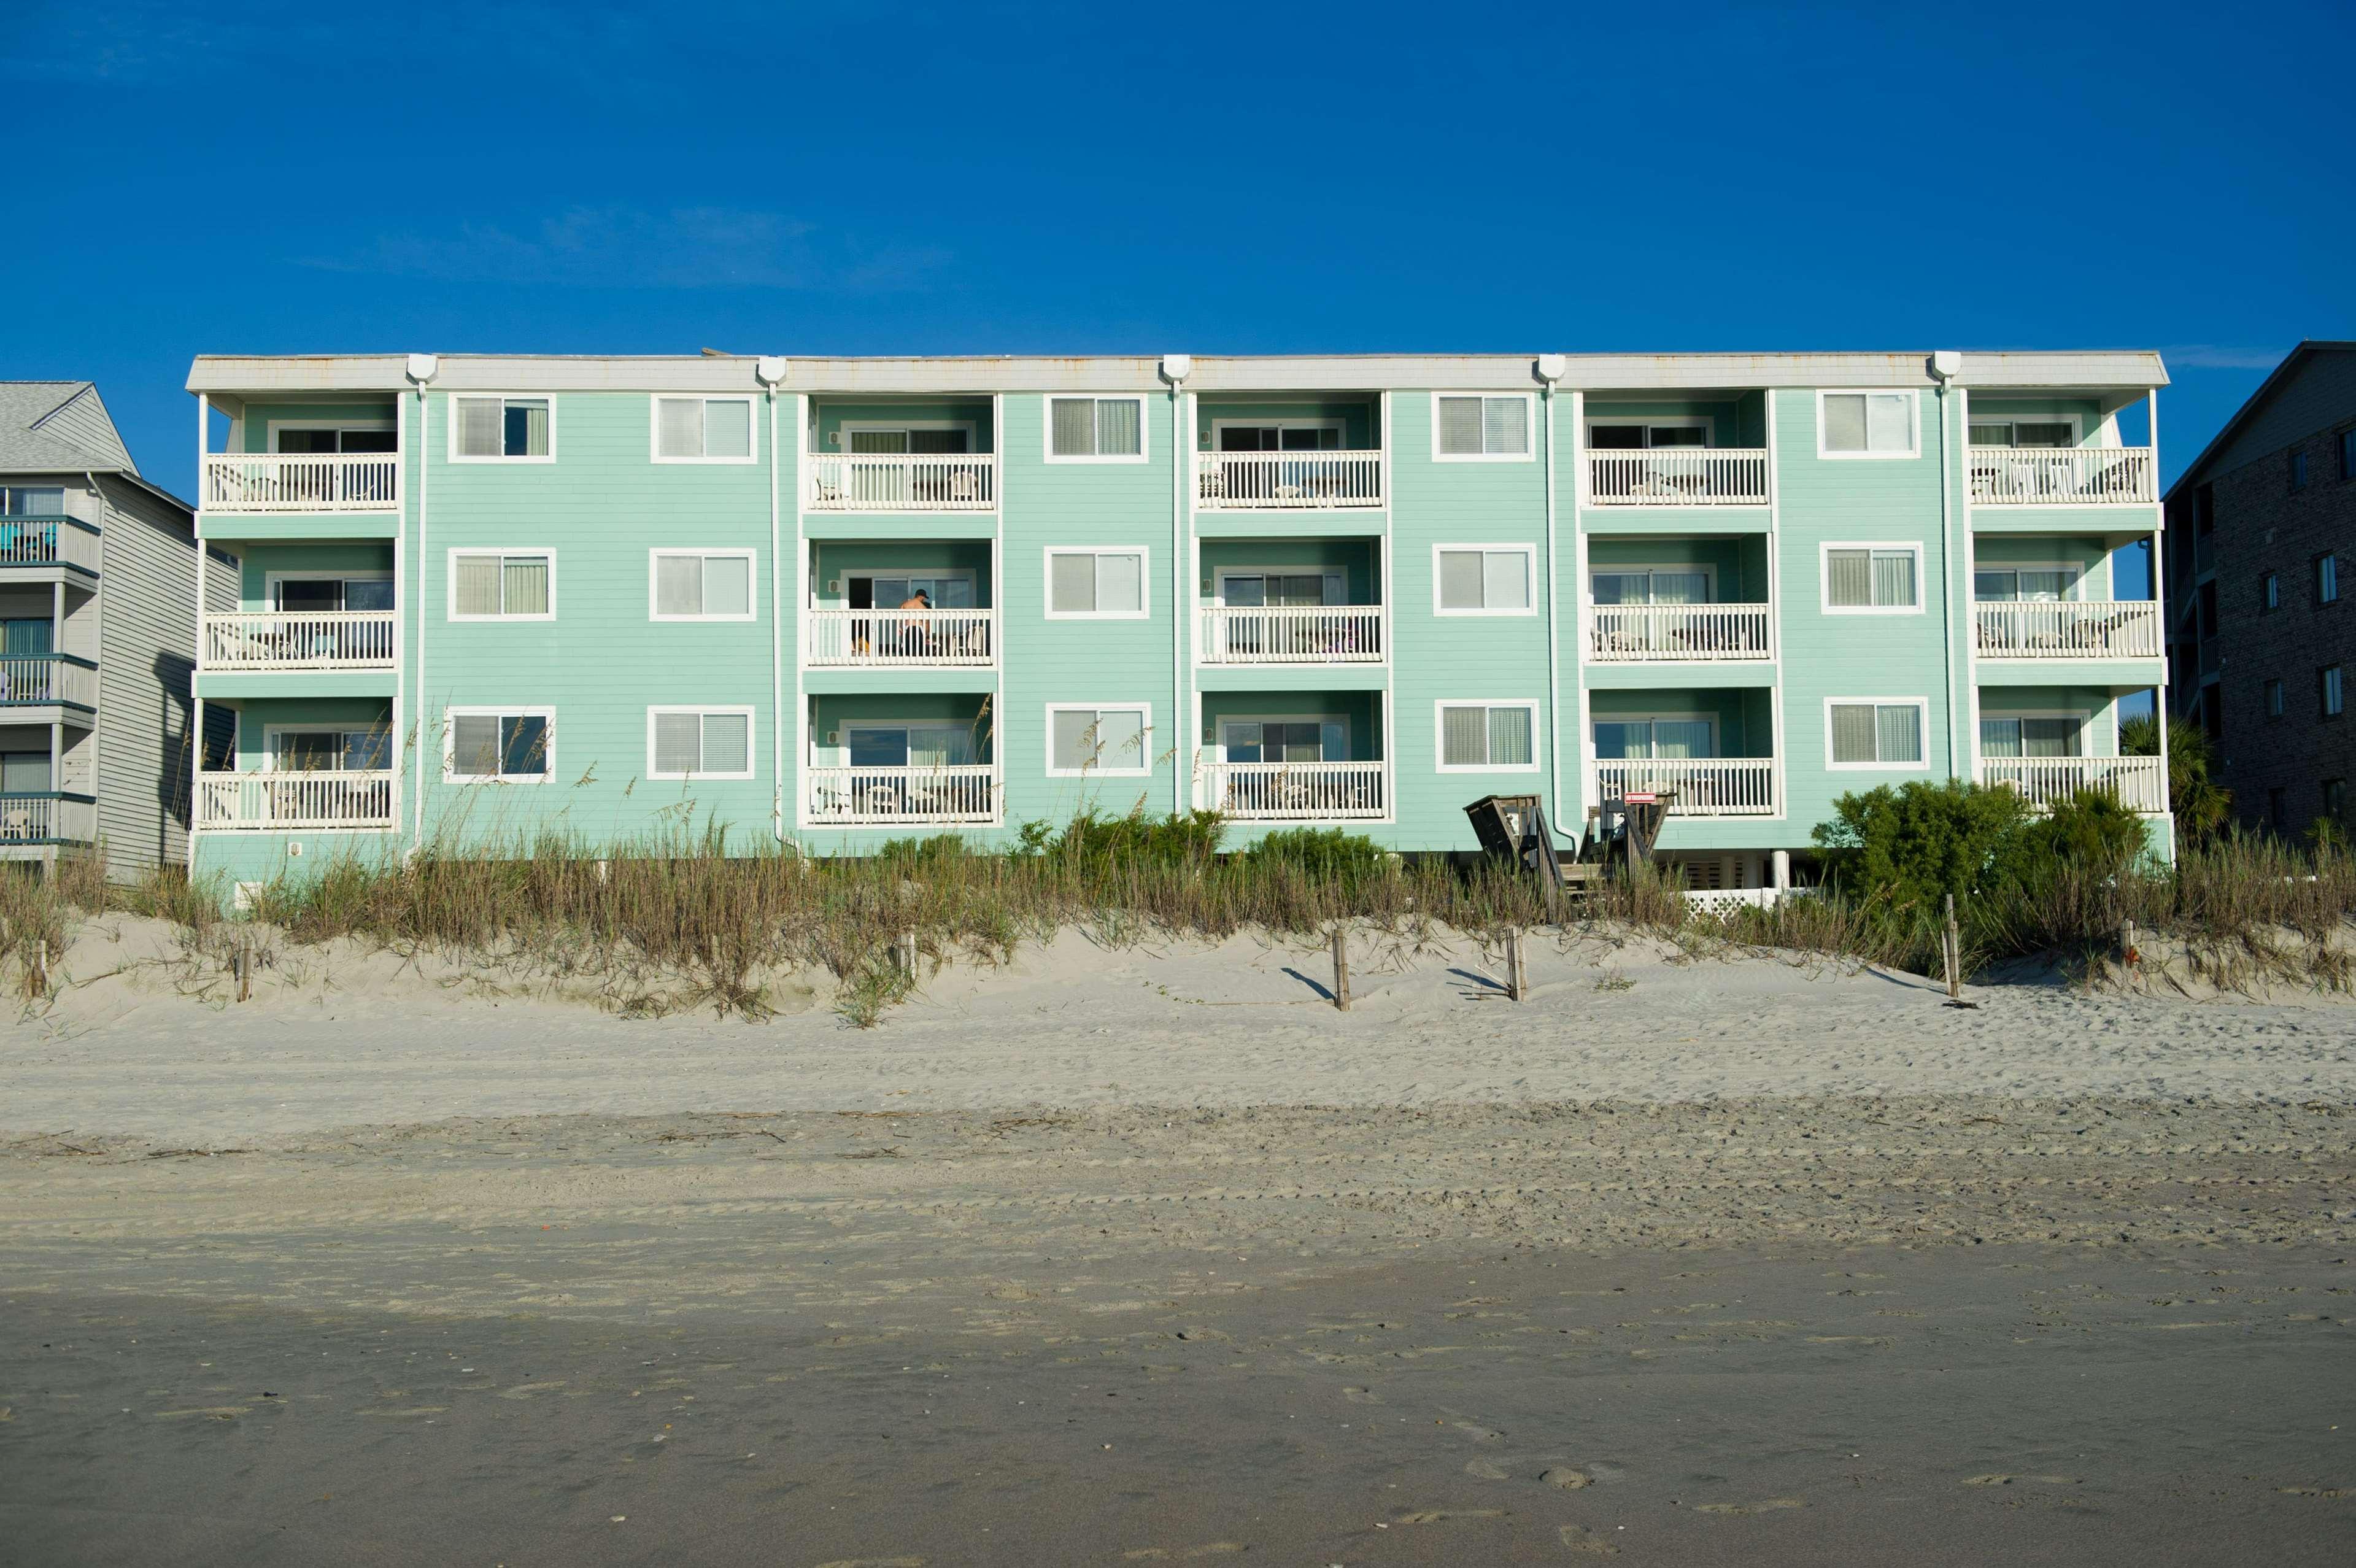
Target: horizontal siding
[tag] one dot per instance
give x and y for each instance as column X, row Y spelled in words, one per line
column 146, row 641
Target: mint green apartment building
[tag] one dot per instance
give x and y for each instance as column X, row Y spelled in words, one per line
column 826, row 602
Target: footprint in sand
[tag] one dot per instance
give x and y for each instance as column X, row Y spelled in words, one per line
column 2007, row 1480
column 1436, row 1516
column 1361, row 1396
column 1488, row 1470
column 1579, row 1538
column 1568, row 1479
column 875, row 1562
column 1768, row 1507
column 2318, row 1491
column 1165, row 1554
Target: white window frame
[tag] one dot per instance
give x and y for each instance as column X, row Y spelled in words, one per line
column 1825, row 577
column 1220, row 576
column 1654, row 716
column 1530, row 568
column 1648, row 423
column 2082, row 718
column 1704, row 569
column 1144, row 610
column 752, row 580
column 271, row 581
column 752, row 737
column 450, row 418
column 2073, row 590
column 850, row 427
column 2077, row 423
column 1047, row 402
column 840, row 582
column 1144, row 766
column 983, row 739
column 654, row 427
column 1218, row 744
column 1913, row 422
column 450, row 584
column 521, row 711
column 1923, row 722
column 1529, row 428
column 338, row 426
column 1439, row 735
column 1242, row 421
column 271, row 732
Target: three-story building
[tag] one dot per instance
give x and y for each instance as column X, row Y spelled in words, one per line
column 831, row 602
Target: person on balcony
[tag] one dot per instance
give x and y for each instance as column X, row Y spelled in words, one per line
column 914, row 639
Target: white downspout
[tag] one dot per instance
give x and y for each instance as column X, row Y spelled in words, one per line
column 423, row 368
column 1176, row 369
column 771, row 370
column 2160, row 607
column 1943, row 365
column 196, row 653
column 1550, row 368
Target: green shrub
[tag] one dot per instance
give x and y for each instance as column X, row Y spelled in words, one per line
column 1349, row 860
column 1920, row 842
column 2090, row 833
column 1137, row 842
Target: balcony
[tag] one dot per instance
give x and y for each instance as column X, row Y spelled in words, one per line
column 46, row 817
column 902, row 481
column 1678, row 475
column 900, row 639
column 1693, row 786
column 49, row 542
column 322, row 639
column 2062, row 476
column 1298, row 791
column 1291, row 634
column 2138, row 782
column 45, row 678
column 938, row 795
column 1288, row 481
column 1669, row 634
column 2068, row 629
column 322, row 800
column 300, row 481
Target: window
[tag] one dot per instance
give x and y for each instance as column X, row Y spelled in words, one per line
column 24, row 772
column 2024, row 433
column 700, row 585
column 698, row 743
column 2276, row 809
column 2328, row 678
column 1105, row 585
column 1495, row 738
column 2327, row 579
column 1107, row 739
column 2032, row 734
column 1650, row 585
column 1865, row 424
column 490, row 745
column 1654, row 736
column 303, row 593
column 704, row 430
column 503, row 429
column 2297, row 471
column 1472, row 428
column 1483, row 579
column 1096, row 429
column 2270, row 592
column 2348, row 454
column 1875, row 734
column 2335, row 799
column 906, row 744
column 893, row 440
column 1278, row 435
column 323, row 438
column 1629, row 435
column 290, row 749
column 1285, row 740
column 32, row 500
column 502, row 584
column 1872, row 579
column 1258, row 590
column 2274, row 699
column 2033, row 585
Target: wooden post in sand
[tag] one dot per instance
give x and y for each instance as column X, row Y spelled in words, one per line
column 41, row 965
column 245, row 967
column 1517, row 977
column 904, row 953
column 1341, row 966
column 1951, row 948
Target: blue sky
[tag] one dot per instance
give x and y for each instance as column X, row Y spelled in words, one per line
column 845, row 179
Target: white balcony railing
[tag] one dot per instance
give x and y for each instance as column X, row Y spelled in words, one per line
column 1648, row 634
column 1292, row 634
column 2061, row 476
column 2068, row 629
column 906, row 639
column 47, row 817
column 1678, row 475
column 1297, row 791
column 300, row 481
column 321, row 800
column 48, row 678
column 2137, row 782
column 903, row 481
column 315, row 639
column 1262, row 481
column 943, row 794
column 1699, row 785
column 48, row 541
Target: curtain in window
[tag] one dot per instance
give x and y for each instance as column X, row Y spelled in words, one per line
column 1999, row 737
column 882, row 440
column 1461, row 575
column 368, row 592
column 1464, row 736
column 727, row 585
column 1459, row 427
column 1509, row 737
column 1622, row 587
column 1619, row 740
column 1120, row 584
column 475, row 745
column 1505, row 424
column 1243, row 741
column 1848, row 577
column 1074, row 428
column 1681, row 587
column 1844, row 423
column 526, row 581
column 939, row 746
column 1116, row 426
column 2043, row 433
column 1681, row 737
column 368, row 750
column 1333, row 742
column 679, row 584
column 1853, row 733
column 23, row 773
column 478, row 585
column 527, row 429
column 1072, row 583
column 1996, row 587
column 2049, row 738
column 26, row 637
column 678, row 746
column 478, row 428
column 1077, row 739
column 24, row 502
column 1900, row 731
column 1893, row 577
column 937, row 441
column 728, row 428
column 523, row 746
column 680, row 426
column 1506, row 580
column 1887, row 421
column 1991, row 434
column 2044, row 586
column 727, row 742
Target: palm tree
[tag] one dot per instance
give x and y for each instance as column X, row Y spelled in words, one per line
column 2201, row 804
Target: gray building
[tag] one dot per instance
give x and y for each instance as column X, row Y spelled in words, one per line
column 2262, row 632
column 97, row 573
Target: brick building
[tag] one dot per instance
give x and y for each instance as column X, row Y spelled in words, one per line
column 2261, row 572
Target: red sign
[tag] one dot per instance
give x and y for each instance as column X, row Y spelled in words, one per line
column 1646, row 798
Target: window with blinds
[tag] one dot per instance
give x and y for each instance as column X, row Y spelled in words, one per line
column 2032, row 736
column 1472, row 426
column 487, row 429
column 1483, row 580
column 1104, row 428
column 704, row 430
column 702, row 585
column 493, row 584
column 1096, row 584
column 1109, row 739
column 488, row 745
column 1872, row 577
column 698, row 743
column 1866, row 424
column 1876, row 735
column 1496, row 736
